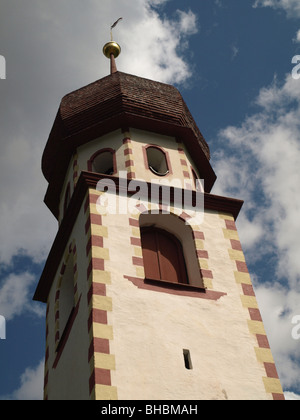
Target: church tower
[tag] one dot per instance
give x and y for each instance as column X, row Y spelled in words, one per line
column 147, row 289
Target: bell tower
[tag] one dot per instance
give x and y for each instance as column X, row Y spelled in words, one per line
column 147, row 289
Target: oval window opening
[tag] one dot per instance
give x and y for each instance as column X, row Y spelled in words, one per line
column 157, row 161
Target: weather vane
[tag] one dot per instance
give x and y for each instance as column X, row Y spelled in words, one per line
column 113, row 26
column 112, row 50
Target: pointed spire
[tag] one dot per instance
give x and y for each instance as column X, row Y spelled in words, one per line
column 112, row 50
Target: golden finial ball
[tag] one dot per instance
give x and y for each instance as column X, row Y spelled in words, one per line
column 111, row 48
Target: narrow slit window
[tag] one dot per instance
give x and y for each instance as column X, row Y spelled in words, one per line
column 187, row 359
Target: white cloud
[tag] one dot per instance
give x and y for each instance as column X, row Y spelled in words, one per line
column 24, row 223
column 267, row 161
column 16, row 296
column 150, row 48
column 187, row 22
column 261, row 165
column 292, row 7
column 234, row 51
column 31, row 385
column 297, row 37
column 253, row 230
column 291, row 396
column 157, row 2
column 278, row 306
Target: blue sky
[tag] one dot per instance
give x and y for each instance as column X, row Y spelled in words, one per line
column 231, row 60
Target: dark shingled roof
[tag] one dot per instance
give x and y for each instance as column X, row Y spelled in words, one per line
column 117, row 101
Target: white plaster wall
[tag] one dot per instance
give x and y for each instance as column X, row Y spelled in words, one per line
column 139, row 139
column 70, row 379
column 112, row 140
column 151, row 329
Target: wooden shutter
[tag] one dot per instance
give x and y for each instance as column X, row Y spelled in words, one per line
column 163, row 256
column 150, row 255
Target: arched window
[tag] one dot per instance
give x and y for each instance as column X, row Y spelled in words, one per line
column 103, row 162
column 157, row 160
column 163, row 256
column 182, row 234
